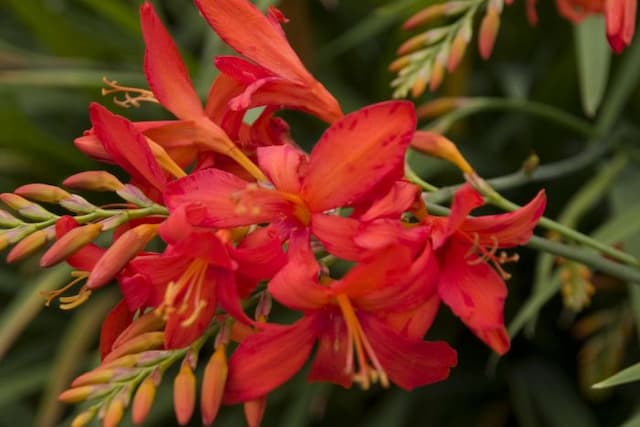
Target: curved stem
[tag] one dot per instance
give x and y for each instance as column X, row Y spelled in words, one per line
column 480, row 105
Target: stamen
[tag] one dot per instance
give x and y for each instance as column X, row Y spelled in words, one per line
column 141, row 95
column 370, row 370
column 489, row 255
column 188, row 289
column 52, row 295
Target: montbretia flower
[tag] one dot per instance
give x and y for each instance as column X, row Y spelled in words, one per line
column 467, row 249
column 345, row 317
column 272, row 73
column 360, row 155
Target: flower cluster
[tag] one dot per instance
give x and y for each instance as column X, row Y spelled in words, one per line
column 222, row 216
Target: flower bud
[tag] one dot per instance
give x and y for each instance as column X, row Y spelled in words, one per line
column 25, row 208
column 77, row 204
column 94, row 181
column 80, row 394
column 42, row 193
column 120, row 253
column 213, row 382
column 83, row 418
column 114, row 413
column 148, row 322
column 254, row 411
column 144, row 342
column 440, row 106
column 134, row 195
column 103, row 375
column 436, row 145
column 488, row 32
column 70, row 243
column 30, row 244
column 90, row 145
column 144, row 398
column 458, row 47
column 7, row 220
column 184, row 393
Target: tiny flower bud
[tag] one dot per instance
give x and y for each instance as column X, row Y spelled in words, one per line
column 437, row 74
column 440, row 106
column 114, row 413
column 148, row 322
column 184, row 394
column 103, row 375
column 90, row 145
column 134, row 195
column 83, row 418
column 458, row 47
column 7, row 220
column 254, row 411
column 488, row 32
column 143, row 399
column 425, row 16
column 144, row 342
column 120, row 253
column 213, row 382
column 436, row 145
column 30, row 244
column 77, row 204
column 94, row 181
column 127, row 361
column 25, row 208
column 42, row 193
column 152, row 357
column 79, row 394
column 70, row 243
column 14, row 201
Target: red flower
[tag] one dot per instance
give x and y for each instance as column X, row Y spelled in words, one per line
column 359, row 155
column 621, row 22
column 465, row 248
column 354, row 343
column 274, row 75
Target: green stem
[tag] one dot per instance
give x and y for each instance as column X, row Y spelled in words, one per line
column 413, row 177
column 479, row 105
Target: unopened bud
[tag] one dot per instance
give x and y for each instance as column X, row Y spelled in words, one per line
column 143, row 399
column 164, row 160
column 400, row 63
column 488, row 32
column 70, row 243
column 436, row 145
column 144, row 342
column 25, row 208
column 77, row 204
column 440, row 106
column 31, row 243
column 531, row 164
column 93, row 181
column 254, row 411
column 458, row 47
column 7, row 220
column 120, row 253
column 83, row 418
column 42, row 193
column 213, row 382
column 420, row 83
column 422, row 40
column 90, row 145
column 80, row 394
column 184, row 393
column 9, row 237
column 152, row 357
column 133, row 194
column 437, row 74
column 127, row 361
column 114, row 413
column 148, row 322
column 103, row 375
column 434, row 12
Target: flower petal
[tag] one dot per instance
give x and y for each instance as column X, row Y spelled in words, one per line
column 508, row 229
column 282, row 165
column 410, row 363
column 337, row 235
column 356, row 152
column 265, row 44
column 329, row 362
column 256, row 366
column 126, row 146
column 475, row 293
column 394, row 203
column 166, row 73
column 116, row 321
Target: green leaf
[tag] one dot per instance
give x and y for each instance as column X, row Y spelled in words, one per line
column 634, row 421
column 594, row 56
column 630, row 374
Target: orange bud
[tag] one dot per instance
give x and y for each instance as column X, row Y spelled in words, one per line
column 83, row 418
column 25, row 208
column 424, row 16
column 420, row 83
column 458, row 47
column 144, row 342
column 164, row 160
column 14, row 201
column 30, row 244
column 399, row 63
column 133, row 194
column 102, row 375
column 42, row 193
column 213, row 382
column 143, row 399
column 436, row 145
column 70, row 243
column 440, row 106
column 114, row 413
column 437, row 74
column 7, row 220
column 94, row 181
column 488, row 32
column 184, row 393
column 127, row 361
column 120, row 253
column 254, row 411
column 148, row 322
column 80, row 394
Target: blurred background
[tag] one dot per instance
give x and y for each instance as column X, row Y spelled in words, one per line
column 54, row 54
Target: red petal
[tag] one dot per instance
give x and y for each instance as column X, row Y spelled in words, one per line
column 166, row 73
column 475, row 293
column 227, row 292
column 228, row 200
column 414, row 323
column 259, row 255
column 356, row 152
column 337, row 235
column 410, row 363
column 394, row 203
column 116, row 321
column 256, row 366
column 296, row 285
column 264, row 44
column 465, row 200
column 509, row 229
column 282, row 165
column 127, row 147
column 329, row 363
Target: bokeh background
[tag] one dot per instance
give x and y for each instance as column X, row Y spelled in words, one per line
column 53, row 55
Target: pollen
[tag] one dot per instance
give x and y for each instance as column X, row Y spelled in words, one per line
column 132, row 97
column 489, row 254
